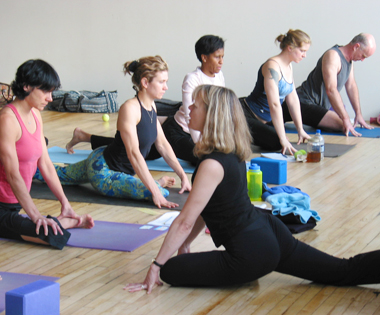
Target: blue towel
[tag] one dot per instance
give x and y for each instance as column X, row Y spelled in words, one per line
column 296, row 203
column 280, row 189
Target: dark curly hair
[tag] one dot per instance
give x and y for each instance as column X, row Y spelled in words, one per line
column 36, row 74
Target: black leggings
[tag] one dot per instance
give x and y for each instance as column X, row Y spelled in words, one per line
column 266, row 246
column 13, row 225
column 265, row 136
column 180, row 141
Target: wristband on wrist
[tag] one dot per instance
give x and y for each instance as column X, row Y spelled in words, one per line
column 156, row 263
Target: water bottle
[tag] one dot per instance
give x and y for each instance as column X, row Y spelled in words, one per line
column 255, row 182
column 315, row 148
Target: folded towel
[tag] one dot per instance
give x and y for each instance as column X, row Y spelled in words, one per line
column 296, row 203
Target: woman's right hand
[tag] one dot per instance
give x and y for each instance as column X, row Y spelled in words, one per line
column 46, row 222
column 287, row 146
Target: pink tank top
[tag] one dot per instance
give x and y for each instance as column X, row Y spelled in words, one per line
column 29, row 150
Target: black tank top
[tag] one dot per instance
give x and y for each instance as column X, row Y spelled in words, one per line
column 115, row 153
column 229, row 211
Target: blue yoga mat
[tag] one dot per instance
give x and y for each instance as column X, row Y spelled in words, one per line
column 12, row 281
column 60, row 155
column 115, row 236
column 366, row 133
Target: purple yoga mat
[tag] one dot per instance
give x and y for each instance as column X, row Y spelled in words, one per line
column 114, row 236
column 15, row 280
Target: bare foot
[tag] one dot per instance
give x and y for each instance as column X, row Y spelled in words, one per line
column 166, row 181
column 78, row 136
column 87, row 222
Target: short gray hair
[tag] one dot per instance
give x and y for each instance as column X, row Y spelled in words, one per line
column 360, row 39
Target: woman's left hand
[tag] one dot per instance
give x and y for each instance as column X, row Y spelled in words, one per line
column 68, row 212
column 152, row 279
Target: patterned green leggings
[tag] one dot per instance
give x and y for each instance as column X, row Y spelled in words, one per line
column 107, row 182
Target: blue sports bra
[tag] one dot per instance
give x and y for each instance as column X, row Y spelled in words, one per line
column 258, row 101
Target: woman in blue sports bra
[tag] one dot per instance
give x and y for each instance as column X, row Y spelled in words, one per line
column 265, row 107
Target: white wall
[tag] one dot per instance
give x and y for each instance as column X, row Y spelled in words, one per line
column 87, row 41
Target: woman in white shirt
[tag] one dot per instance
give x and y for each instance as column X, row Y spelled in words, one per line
column 210, row 52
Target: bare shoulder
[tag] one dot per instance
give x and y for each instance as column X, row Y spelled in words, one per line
column 7, row 116
column 130, row 106
column 9, row 125
column 272, row 69
column 331, row 57
column 129, row 112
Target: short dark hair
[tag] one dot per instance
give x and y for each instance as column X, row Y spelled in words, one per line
column 207, row 45
column 37, row 74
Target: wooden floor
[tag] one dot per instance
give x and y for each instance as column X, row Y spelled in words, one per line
column 345, row 191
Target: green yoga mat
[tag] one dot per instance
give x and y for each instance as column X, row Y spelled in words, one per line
column 87, row 194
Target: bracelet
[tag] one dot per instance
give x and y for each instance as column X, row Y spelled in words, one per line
column 156, row 263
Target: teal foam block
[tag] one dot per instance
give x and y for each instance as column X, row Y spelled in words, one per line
column 36, row 298
column 274, row 171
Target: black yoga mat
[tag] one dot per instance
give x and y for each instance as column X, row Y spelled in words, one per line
column 86, row 193
column 331, row 149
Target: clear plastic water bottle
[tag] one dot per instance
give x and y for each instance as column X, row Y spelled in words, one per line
column 255, row 182
column 315, row 148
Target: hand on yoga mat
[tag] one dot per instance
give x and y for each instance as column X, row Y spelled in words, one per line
column 349, row 128
column 160, row 202
column 361, row 122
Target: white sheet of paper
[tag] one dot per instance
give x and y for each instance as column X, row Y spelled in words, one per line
column 279, row 156
column 166, row 219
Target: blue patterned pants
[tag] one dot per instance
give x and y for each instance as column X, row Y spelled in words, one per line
column 106, row 181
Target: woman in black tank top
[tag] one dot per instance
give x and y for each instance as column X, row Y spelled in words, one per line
column 255, row 243
column 111, row 169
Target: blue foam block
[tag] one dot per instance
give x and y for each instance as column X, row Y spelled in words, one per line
column 274, row 171
column 36, row 298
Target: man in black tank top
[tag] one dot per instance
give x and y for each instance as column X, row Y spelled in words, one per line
column 333, row 71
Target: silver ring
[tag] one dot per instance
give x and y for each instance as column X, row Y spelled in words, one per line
column 142, row 287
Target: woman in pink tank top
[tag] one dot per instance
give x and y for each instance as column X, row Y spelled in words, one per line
column 22, row 149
